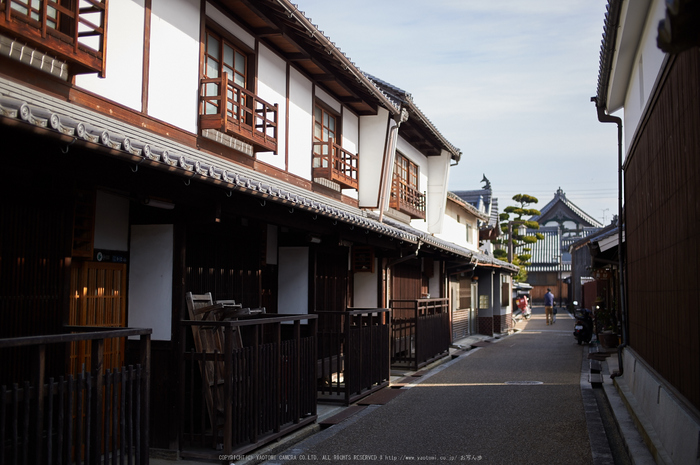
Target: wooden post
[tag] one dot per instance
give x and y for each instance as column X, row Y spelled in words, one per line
column 145, row 361
column 228, row 389
column 38, row 381
column 98, row 371
column 223, row 103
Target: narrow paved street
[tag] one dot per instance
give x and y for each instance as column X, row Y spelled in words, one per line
column 515, row 400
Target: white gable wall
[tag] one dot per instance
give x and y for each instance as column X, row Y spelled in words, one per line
column 635, row 73
column 437, row 190
column 372, row 145
column 456, row 231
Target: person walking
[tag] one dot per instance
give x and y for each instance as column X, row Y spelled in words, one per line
column 548, row 306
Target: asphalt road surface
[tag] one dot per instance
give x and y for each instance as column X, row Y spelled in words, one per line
column 516, row 401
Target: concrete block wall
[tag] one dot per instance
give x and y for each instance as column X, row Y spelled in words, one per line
column 670, row 427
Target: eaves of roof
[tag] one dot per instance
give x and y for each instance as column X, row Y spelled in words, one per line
column 311, row 37
column 478, row 257
column 19, row 104
column 451, row 196
column 130, row 143
column 403, row 98
column 607, row 51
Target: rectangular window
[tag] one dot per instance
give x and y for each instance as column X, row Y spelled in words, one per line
column 406, row 171
column 325, row 129
column 220, row 56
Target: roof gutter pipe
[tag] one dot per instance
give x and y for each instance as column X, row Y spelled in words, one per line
column 605, row 118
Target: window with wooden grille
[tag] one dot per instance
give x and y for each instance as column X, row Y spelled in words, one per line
column 222, row 57
column 406, row 171
column 330, row 160
column 405, row 195
column 324, row 131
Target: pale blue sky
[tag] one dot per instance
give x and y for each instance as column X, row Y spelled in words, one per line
column 508, row 82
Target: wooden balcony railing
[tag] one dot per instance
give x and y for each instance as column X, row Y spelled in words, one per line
column 420, row 331
column 265, row 384
column 353, row 353
column 407, row 199
column 60, row 418
column 332, row 162
column 71, row 31
column 234, row 110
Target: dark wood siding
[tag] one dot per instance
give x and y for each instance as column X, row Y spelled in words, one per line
column 35, row 248
column 407, row 281
column 662, row 192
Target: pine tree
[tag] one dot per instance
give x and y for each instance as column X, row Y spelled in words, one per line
column 521, row 253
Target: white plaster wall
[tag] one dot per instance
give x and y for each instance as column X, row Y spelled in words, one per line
column 646, row 69
column 373, row 133
column 174, row 62
column 326, row 98
column 122, row 83
column 272, row 87
column 453, row 230
column 151, row 279
column 111, row 222
column 365, row 289
column 438, row 177
column 300, row 124
column 224, row 21
column 293, row 280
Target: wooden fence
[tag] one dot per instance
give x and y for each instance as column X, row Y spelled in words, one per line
column 420, row 331
column 88, row 418
column 353, row 353
column 268, row 384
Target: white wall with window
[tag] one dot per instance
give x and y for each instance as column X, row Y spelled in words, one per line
column 459, row 226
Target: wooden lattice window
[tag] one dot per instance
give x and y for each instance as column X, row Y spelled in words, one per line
column 221, row 56
column 98, row 298
column 406, row 171
column 325, row 129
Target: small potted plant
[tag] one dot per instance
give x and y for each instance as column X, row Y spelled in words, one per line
column 605, row 324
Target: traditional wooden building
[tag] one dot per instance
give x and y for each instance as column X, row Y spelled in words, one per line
column 650, row 68
column 561, row 223
column 481, row 288
column 178, row 161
